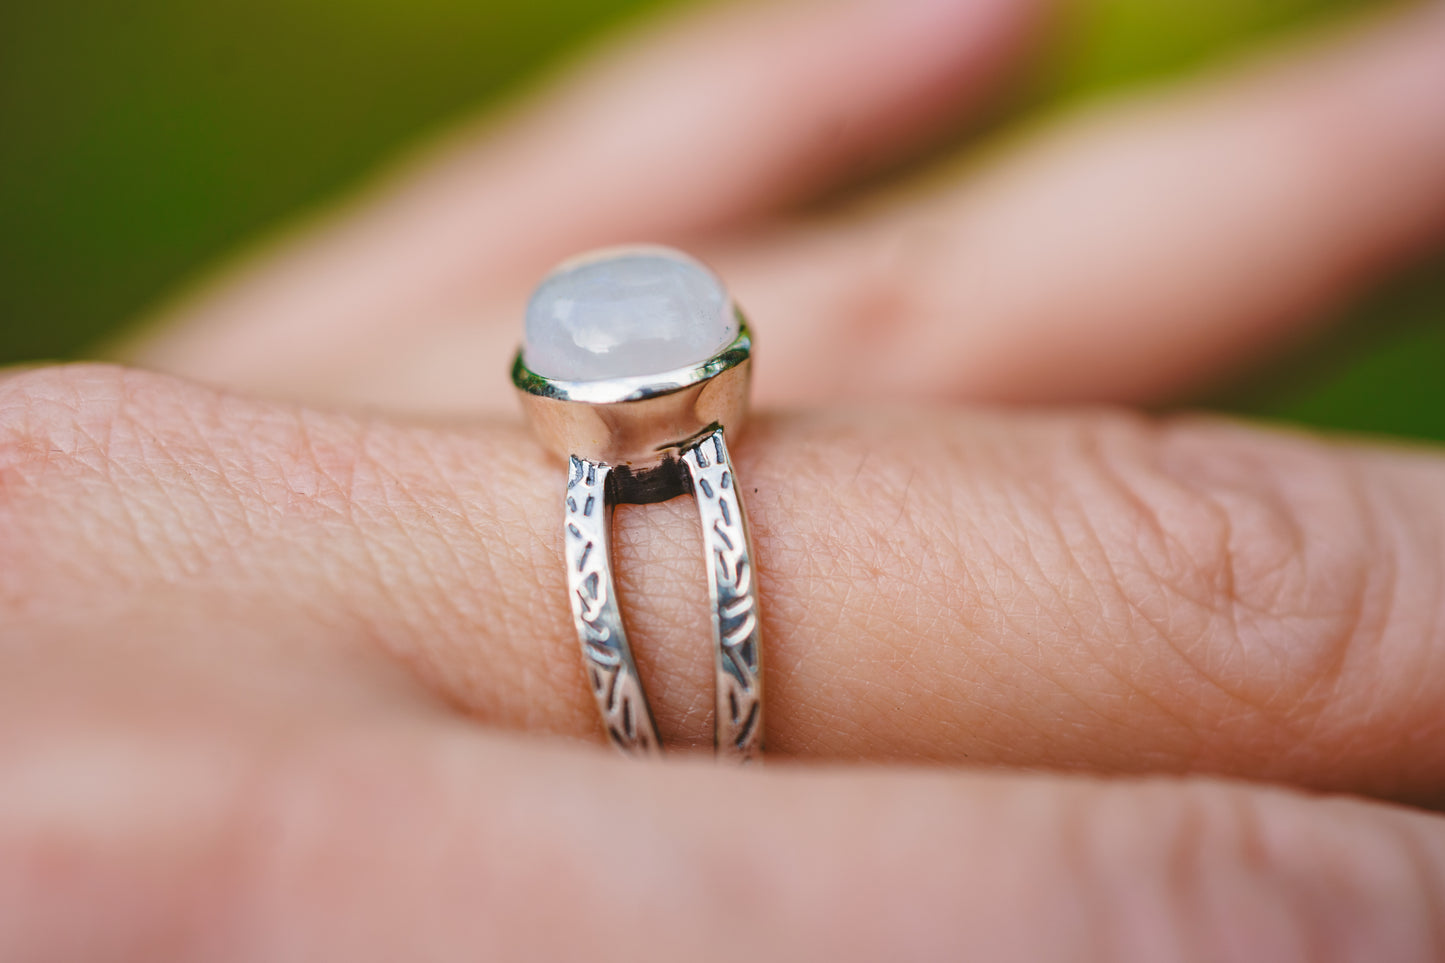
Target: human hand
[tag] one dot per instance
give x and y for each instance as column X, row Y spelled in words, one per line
column 270, row 669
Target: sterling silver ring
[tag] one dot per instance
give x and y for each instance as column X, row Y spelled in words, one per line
column 634, row 368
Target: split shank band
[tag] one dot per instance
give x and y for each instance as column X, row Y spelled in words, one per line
column 640, row 439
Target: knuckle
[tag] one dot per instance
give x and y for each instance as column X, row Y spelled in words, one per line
column 1247, row 556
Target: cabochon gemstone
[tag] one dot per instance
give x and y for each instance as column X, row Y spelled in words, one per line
column 627, row 314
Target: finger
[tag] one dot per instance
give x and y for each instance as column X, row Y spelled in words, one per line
column 710, row 121
column 1131, row 255
column 434, row 841
column 1135, row 253
column 1092, row 591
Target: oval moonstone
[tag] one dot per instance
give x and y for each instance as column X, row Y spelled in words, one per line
column 625, row 314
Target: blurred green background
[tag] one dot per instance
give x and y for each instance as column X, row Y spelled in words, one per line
column 142, row 141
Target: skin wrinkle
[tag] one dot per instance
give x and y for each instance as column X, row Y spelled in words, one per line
column 1022, row 504
column 1042, row 665
column 1061, row 487
column 1213, row 568
column 836, row 570
column 1070, row 838
column 1261, row 715
column 983, row 544
column 209, row 507
column 667, row 601
column 1261, row 862
column 1382, row 893
column 1158, row 920
column 1167, row 628
column 1064, row 487
column 443, row 662
column 255, row 519
column 1429, row 883
column 413, row 563
column 1217, row 849
column 377, row 557
column 166, row 458
column 368, row 564
column 1255, row 509
column 1352, row 638
column 1212, row 887
column 1393, row 534
column 1227, row 600
column 333, row 477
column 1424, row 738
column 254, row 833
column 34, row 456
column 1303, row 711
column 1055, row 681
column 1048, row 718
column 884, row 551
column 328, row 505
column 1155, row 703
column 216, row 509
column 103, row 448
column 937, row 681
column 400, row 564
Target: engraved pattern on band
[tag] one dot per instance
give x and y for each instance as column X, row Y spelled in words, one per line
column 732, row 588
column 737, row 646
column 615, row 683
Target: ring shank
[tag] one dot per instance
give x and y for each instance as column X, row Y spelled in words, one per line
column 605, row 653
column 736, row 631
column 593, row 491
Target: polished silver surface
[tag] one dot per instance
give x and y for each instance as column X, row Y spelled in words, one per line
column 641, row 440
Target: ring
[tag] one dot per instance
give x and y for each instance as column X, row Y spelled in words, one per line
column 634, row 367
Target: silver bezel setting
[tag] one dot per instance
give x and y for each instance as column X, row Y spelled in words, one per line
column 642, row 422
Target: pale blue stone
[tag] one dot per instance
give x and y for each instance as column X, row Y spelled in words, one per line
column 628, row 313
